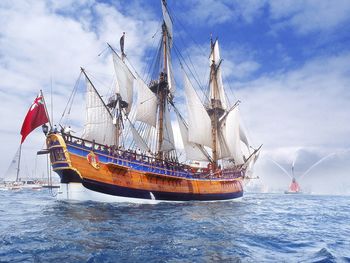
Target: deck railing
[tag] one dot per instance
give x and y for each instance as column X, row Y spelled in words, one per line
column 143, row 162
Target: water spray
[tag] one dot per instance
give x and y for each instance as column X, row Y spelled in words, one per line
column 315, row 164
column 279, row 166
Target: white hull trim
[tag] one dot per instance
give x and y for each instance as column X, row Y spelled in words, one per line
column 77, row 192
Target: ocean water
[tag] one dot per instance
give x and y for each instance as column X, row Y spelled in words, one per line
column 35, row 227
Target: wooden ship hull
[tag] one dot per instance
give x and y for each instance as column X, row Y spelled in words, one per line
column 107, row 177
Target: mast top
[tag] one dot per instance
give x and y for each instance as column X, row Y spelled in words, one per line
column 121, row 42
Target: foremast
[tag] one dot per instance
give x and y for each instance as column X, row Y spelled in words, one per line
column 117, row 104
column 120, row 103
column 99, row 125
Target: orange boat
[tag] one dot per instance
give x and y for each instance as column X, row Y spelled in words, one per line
column 127, row 151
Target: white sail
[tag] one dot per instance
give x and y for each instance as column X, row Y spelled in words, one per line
column 168, row 136
column 99, row 121
column 125, row 80
column 199, row 124
column 11, row 173
column 218, row 93
column 171, row 80
column 192, row 150
column 230, row 129
column 243, row 137
column 168, row 22
column 223, row 149
column 140, row 143
column 146, row 110
column 256, row 156
column 252, row 160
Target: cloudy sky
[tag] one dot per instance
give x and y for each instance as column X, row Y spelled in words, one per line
column 287, row 61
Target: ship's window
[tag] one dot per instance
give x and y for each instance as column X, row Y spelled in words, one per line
column 57, row 155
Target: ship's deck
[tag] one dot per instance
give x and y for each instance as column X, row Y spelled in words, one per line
column 145, row 163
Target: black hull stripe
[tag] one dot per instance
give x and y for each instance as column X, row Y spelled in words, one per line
column 145, row 194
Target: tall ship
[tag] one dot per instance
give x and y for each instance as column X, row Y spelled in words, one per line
column 127, row 150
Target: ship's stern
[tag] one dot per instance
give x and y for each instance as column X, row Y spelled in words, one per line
column 62, row 165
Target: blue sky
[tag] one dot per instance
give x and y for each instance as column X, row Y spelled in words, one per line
column 287, row 61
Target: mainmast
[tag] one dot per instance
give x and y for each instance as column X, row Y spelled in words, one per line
column 216, row 109
column 163, row 90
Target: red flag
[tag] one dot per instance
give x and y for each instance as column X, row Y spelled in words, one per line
column 35, row 117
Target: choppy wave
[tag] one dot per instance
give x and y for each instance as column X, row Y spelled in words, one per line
column 34, row 227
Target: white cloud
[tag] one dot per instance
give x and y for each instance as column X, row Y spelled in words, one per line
column 305, row 107
column 241, row 69
column 208, row 10
column 40, row 40
column 218, row 12
column 304, row 16
column 308, row 15
column 304, row 110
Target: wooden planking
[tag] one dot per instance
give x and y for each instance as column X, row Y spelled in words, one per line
column 124, row 176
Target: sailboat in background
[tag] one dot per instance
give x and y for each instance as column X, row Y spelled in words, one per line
column 13, row 180
column 10, row 180
column 127, row 149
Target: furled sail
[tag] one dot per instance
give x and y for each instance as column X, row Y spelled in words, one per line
column 192, row 150
column 168, row 22
column 99, row 121
column 199, row 124
column 125, row 80
column 218, row 93
column 168, row 136
column 146, row 110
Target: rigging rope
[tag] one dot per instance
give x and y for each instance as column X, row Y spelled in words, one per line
column 144, row 76
column 181, row 58
column 71, row 99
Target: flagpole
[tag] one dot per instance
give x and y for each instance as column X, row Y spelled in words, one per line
column 19, row 161
column 47, row 114
column 51, row 102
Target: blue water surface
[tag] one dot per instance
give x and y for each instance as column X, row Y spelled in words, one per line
column 35, row 227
